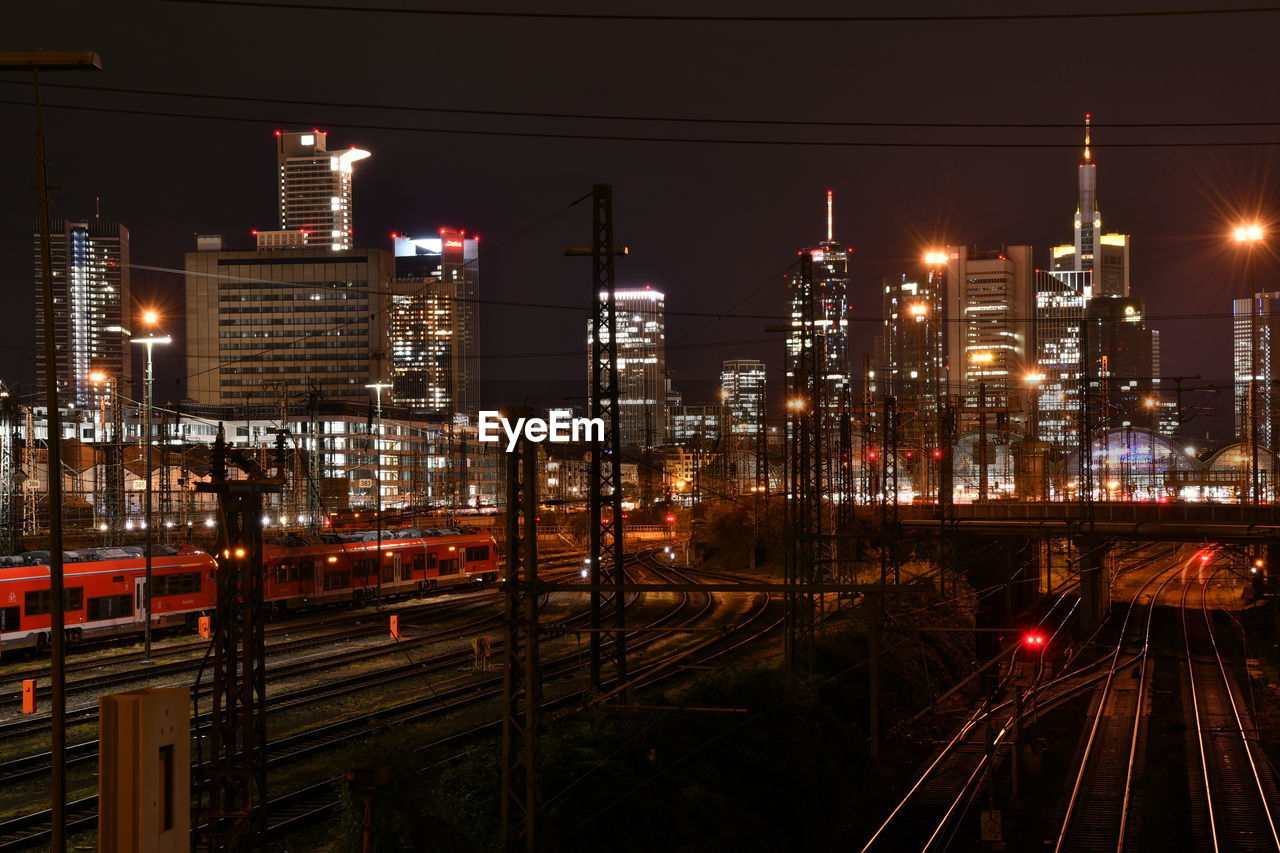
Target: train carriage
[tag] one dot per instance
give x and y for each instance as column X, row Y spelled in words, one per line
column 340, row 568
column 103, row 592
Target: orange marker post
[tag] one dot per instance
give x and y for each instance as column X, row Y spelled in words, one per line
column 395, row 627
column 206, row 627
column 28, row 695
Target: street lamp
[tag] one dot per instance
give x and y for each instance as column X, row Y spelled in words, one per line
column 1249, row 235
column 150, row 318
column 982, row 358
column 36, row 61
column 377, row 478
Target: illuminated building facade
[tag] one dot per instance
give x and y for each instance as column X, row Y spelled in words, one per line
column 990, row 335
column 827, row 295
column 91, row 307
column 742, row 388
column 1255, row 330
column 433, row 324
column 286, row 319
column 315, row 188
column 909, row 352
column 642, row 366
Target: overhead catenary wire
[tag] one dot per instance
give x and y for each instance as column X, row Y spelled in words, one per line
column 685, row 140
column 584, row 116
column 736, row 19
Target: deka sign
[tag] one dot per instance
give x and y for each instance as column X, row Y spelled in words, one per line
column 560, row 428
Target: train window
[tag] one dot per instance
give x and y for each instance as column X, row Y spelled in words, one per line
column 433, row 560
column 406, row 570
column 110, row 607
column 37, row 602
column 388, row 572
column 476, row 553
column 9, row 618
column 118, row 579
column 293, row 572
column 179, row 584
column 419, row 562
column 449, row 567
column 337, row 580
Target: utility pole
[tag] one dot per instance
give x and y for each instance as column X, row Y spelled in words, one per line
column 235, row 817
column 605, row 487
column 522, row 677
column 36, row 61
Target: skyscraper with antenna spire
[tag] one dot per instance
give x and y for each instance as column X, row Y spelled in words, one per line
column 1088, row 284
column 828, row 291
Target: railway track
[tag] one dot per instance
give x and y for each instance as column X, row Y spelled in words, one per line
column 32, row 829
column 929, row 813
column 1097, row 813
column 1235, row 784
column 185, row 660
column 301, row 808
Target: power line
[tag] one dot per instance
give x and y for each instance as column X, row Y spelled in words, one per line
column 688, row 140
column 737, row 19
column 411, row 108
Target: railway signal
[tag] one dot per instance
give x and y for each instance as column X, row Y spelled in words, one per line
column 1035, row 640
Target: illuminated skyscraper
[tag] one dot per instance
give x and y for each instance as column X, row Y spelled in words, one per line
column 1255, row 332
column 827, row 296
column 259, row 322
column 1094, row 267
column 642, row 366
column 91, row 306
column 742, row 389
column 433, row 323
column 989, row 305
column 315, row 188
column 909, row 354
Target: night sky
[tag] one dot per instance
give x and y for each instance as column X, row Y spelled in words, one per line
column 713, row 225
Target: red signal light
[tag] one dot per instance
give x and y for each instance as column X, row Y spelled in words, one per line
column 937, row 453
column 1034, row 640
column 671, row 519
column 871, row 454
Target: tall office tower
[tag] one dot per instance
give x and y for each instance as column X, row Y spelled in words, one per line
column 1105, row 255
column 315, row 188
column 827, row 296
column 910, row 363
column 1255, row 331
column 1120, row 349
column 433, row 323
column 1094, row 267
column 1060, row 307
column 263, row 323
column 990, row 346
column 742, row 389
column 642, row 366
column 91, row 307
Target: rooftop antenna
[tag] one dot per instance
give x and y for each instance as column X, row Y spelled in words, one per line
column 97, row 207
column 1088, row 120
column 829, row 214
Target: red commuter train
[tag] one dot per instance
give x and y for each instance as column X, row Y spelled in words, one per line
column 104, row 586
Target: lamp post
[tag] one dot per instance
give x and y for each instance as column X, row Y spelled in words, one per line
column 377, row 478
column 1250, row 235
column 149, row 318
column 1153, row 405
column 36, row 61
column 982, row 360
column 1033, row 381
